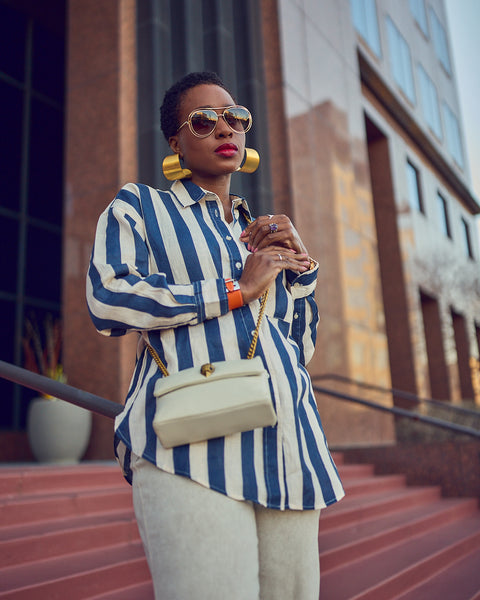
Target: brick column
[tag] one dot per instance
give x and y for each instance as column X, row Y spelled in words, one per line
column 101, row 155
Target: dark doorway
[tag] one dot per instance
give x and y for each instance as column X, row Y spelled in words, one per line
column 391, row 268
column 463, row 356
column 437, row 365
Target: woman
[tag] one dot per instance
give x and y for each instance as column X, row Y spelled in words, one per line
column 233, row 517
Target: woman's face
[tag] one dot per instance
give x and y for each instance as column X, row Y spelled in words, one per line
column 220, row 153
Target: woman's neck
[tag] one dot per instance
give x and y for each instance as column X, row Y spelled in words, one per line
column 221, row 187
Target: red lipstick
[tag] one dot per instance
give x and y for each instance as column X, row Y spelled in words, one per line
column 227, row 150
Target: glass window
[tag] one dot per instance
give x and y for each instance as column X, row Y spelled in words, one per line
column 364, row 16
column 443, row 215
column 467, row 241
column 440, row 41
column 11, row 146
column 13, row 32
column 31, row 156
column 45, row 196
column 43, row 264
column 48, row 50
column 10, row 242
column 429, row 98
column 452, row 129
column 414, row 188
column 417, row 8
column 7, row 321
column 400, row 61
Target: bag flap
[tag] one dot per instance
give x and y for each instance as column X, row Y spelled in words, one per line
column 222, row 370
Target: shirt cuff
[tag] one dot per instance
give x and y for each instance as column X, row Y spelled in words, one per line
column 211, row 299
column 303, row 284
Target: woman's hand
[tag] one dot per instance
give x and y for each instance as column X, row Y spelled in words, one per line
column 262, row 267
column 275, row 230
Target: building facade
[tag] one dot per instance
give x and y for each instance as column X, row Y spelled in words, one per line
column 357, row 120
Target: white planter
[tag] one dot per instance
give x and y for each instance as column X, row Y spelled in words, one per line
column 58, row 431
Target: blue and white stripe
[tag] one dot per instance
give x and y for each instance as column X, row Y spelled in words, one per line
column 158, row 267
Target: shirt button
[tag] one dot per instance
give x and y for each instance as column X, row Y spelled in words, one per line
column 296, row 285
column 295, row 316
column 238, row 265
column 229, row 237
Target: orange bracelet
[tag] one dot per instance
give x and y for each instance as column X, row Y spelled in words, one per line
column 234, row 294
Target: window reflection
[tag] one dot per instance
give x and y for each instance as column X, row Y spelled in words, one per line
column 364, row 16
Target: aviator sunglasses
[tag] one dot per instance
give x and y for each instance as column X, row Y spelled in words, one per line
column 202, row 121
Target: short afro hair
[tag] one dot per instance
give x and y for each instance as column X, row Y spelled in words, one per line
column 171, row 101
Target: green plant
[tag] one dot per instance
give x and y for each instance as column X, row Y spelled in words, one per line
column 42, row 349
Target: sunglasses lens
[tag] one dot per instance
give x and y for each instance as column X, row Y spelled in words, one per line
column 203, row 122
column 238, row 118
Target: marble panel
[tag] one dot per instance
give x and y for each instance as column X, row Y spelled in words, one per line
column 294, row 52
column 355, row 114
column 325, row 17
column 326, row 70
column 348, row 38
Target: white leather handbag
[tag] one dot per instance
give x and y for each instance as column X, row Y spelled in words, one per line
column 214, row 400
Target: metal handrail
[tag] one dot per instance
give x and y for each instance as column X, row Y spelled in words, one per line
column 402, row 412
column 398, row 393
column 110, row 409
column 57, row 389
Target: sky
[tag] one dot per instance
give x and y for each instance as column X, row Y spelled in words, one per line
column 464, row 27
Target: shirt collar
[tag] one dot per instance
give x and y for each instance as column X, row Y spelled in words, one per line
column 188, row 193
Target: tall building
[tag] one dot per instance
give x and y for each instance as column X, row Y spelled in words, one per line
column 357, row 120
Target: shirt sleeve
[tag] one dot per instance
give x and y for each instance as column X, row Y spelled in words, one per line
column 124, row 295
column 305, row 316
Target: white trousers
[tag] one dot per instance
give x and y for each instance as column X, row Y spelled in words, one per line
column 202, row 545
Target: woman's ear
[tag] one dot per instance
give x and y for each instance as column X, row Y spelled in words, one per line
column 174, row 144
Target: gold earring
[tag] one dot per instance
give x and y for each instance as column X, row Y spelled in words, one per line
column 251, row 160
column 173, row 170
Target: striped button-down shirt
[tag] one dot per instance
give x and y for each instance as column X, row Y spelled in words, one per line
column 158, row 267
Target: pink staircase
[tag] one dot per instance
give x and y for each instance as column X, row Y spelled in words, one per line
column 386, row 541
column 69, row 533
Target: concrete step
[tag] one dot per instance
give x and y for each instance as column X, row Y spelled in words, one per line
column 347, row 472
column 62, row 504
column 356, row 486
column 372, row 505
column 36, row 479
column 75, row 536
column 142, row 591
column 460, row 581
column 85, row 582
column 46, row 526
column 70, row 532
column 367, row 536
column 396, row 568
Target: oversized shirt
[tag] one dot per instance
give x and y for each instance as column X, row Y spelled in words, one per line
column 158, row 267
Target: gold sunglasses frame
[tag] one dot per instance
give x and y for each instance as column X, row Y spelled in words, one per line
column 224, row 108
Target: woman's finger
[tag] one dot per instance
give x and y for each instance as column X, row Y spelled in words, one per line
column 272, row 229
column 286, row 258
column 265, row 230
column 261, row 269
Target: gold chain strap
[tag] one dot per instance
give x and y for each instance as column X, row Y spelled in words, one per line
column 251, row 350
column 253, row 345
column 158, row 360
